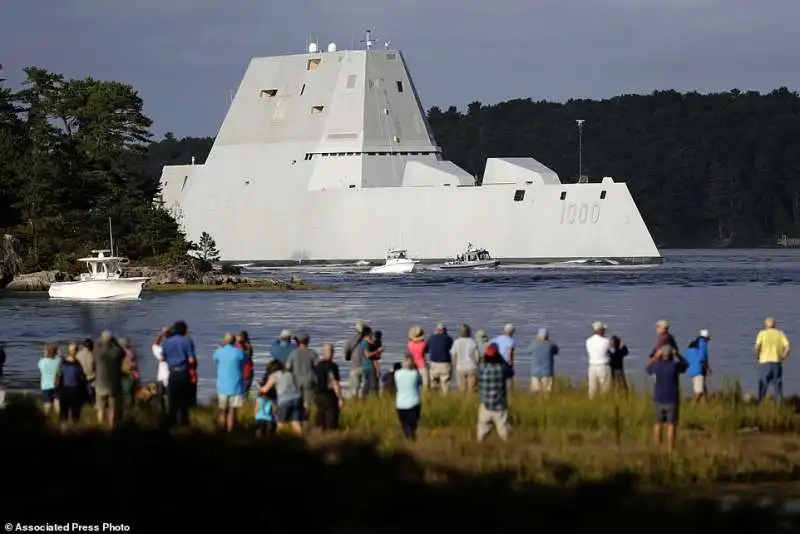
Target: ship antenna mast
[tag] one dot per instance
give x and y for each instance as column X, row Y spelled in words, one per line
column 368, row 41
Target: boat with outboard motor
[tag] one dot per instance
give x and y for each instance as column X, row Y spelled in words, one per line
column 397, row 262
column 103, row 281
column 471, row 258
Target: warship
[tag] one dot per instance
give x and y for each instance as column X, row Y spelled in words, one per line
column 327, row 156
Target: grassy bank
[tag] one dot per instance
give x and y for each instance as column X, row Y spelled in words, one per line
column 267, row 286
column 568, row 439
column 570, row 462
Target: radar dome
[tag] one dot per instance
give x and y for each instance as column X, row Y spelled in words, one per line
column 312, row 48
column 332, row 47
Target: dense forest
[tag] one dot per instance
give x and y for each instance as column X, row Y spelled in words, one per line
column 74, row 154
column 706, row 170
column 719, row 169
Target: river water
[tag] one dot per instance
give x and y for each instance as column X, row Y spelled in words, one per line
column 727, row 292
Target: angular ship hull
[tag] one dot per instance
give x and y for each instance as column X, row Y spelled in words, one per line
column 328, row 157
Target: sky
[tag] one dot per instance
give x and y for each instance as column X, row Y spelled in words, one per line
column 186, row 56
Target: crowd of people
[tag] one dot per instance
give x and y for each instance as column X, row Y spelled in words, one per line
column 298, row 381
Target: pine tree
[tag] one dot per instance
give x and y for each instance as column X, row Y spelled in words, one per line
column 208, row 248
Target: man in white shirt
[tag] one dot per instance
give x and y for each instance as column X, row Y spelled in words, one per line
column 597, row 348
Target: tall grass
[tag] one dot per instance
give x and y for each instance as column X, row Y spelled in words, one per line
column 567, row 438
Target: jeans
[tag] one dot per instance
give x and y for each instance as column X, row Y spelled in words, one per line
column 770, row 373
column 409, row 420
column 178, row 396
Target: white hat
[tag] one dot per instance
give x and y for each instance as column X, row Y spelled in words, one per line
column 704, row 333
column 542, row 333
column 508, row 329
column 597, row 325
column 285, row 334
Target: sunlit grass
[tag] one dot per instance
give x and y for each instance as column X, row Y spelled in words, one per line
column 566, row 437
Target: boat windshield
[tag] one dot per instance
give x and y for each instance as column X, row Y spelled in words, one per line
column 397, row 254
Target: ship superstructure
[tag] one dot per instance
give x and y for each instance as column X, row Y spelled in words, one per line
column 327, row 156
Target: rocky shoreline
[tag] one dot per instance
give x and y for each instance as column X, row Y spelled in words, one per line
column 166, row 279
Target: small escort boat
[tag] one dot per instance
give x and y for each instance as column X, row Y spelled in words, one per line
column 104, row 281
column 397, row 262
column 471, row 258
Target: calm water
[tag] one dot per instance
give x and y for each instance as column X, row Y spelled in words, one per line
column 729, row 293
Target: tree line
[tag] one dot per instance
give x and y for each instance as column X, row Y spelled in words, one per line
column 718, row 169
column 74, row 154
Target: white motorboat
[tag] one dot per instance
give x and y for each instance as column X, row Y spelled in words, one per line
column 471, row 258
column 104, row 281
column 397, row 262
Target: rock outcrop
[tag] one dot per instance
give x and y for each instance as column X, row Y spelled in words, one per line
column 37, row 281
column 10, row 259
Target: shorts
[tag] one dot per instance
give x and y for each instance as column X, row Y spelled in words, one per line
column 666, row 413
column 699, row 384
column 48, row 396
column 230, row 401
column 106, row 400
column 291, row 411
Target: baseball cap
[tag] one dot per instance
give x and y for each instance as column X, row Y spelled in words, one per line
column 285, row 334
column 704, row 333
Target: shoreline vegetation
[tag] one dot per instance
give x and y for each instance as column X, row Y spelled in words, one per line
column 563, row 439
column 159, row 283
column 569, row 461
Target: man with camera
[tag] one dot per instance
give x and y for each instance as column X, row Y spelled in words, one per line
column 666, row 365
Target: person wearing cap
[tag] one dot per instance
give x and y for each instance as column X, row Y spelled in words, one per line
column 697, row 357
column 542, row 353
column 282, row 347
column 301, row 363
column 598, row 348
column 441, row 371
column 466, row 357
column 666, row 365
column 772, row 348
column 663, row 337
column 506, row 345
column 230, row 361
column 493, row 375
column 417, row 348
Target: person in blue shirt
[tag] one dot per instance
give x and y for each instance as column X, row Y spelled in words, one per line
column 441, row 369
column 697, row 357
column 178, row 351
column 49, row 365
column 265, row 417
column 229, row 360
column 507, row 346
column 666, row 365
column 282, row 347
column 407, row 401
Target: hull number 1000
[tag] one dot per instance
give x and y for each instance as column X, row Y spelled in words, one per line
column 579, row 213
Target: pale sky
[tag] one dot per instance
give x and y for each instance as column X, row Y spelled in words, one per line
column 185, row 56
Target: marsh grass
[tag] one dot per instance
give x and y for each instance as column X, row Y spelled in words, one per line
column 567, row 438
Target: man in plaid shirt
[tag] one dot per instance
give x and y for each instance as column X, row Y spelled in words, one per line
column 492, row 375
